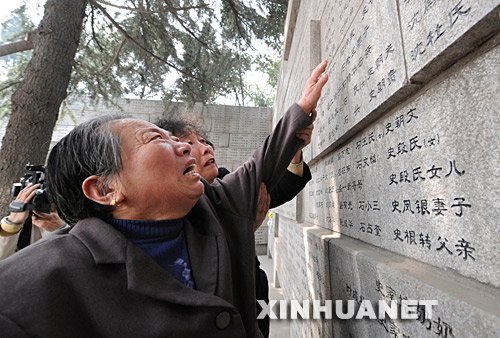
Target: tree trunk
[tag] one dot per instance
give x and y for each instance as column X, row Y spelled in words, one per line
column 36, row 102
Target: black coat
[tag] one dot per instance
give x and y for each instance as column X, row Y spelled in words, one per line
column 92, row 282
column 287, row 188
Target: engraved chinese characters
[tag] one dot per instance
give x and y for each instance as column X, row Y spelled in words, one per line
column 437, row 32
column 413, row 182
column 366, row 65
column 404, row 158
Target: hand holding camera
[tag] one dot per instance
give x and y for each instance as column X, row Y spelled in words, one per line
column 24, row 196
column 30, row 195
column 39, row 201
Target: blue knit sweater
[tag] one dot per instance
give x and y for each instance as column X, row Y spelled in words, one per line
column 164, row 241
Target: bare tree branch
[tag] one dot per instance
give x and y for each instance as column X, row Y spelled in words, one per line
column 9, row 84
column 115, row 57
column 166, row 10
column 18, row 46
column 92, row 25
column 117, row 25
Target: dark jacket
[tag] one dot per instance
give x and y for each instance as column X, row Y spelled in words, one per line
column 92, row 282
column 287, row 188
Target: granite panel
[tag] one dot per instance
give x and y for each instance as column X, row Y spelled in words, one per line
column 214, row 110
column 302, row 55
column 261, row 235
column 422, row 180
column 438, row 33
column 299, row 66
column 271, row 233
column 335, row 23
column 366, row 73
column 303, row 270
column 288, row 209
column 219, row 139
column 236, row 123
column 232, row 158
column 252, row 141
column 360, row 272
column 314, row 44
column 303, row 62
column 290, row 22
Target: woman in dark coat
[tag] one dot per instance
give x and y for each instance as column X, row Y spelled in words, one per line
column 154, row 250
column 291, row 183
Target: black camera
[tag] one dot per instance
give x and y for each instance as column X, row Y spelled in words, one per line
column 40, row 201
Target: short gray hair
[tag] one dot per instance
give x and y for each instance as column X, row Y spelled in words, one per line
column 89, row 149
column 179, row 126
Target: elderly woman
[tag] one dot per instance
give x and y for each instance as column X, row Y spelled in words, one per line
column 291, row 183
column 150, row 254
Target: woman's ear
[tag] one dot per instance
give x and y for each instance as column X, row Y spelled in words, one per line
column 91, row 190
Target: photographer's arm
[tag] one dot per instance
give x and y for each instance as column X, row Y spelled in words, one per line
column 48, row 222
column 13, row 223
column 8, row 245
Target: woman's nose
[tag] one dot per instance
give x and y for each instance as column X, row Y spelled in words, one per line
column 183, row 148
column 205, row 149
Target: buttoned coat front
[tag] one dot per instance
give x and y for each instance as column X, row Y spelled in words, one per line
column 91, row 281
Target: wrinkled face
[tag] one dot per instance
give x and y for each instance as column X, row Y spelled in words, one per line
column 204, row 155
column 159, row 173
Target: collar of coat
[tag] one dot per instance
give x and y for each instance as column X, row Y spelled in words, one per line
column 108, row 246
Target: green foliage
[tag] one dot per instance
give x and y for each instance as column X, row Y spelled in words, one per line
column 194, row 55
column 270, row 67
column 271, row 31
column 16, row 26
column 264, row 96
column 12, row 67
column 258, row 97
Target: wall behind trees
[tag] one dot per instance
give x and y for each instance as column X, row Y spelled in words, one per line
column 404, row 156
column 234, row 130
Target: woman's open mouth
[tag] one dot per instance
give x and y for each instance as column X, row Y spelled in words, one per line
column 209, row 162
column 190, row 170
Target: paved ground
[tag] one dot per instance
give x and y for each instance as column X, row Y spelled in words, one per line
column 279, row 328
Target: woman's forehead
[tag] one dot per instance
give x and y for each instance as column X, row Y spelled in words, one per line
column 135, row 125
column 187, row 133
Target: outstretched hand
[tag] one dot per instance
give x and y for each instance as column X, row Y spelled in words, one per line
column 312, row 90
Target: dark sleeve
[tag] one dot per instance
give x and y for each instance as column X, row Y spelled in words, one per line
column 10, row 329
column 288, row 187
column 238, row 191
column 222, row 172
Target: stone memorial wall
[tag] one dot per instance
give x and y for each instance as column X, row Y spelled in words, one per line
column 404, row 157
column 235, row 131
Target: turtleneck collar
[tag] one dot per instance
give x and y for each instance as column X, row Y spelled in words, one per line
column 132, row 229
